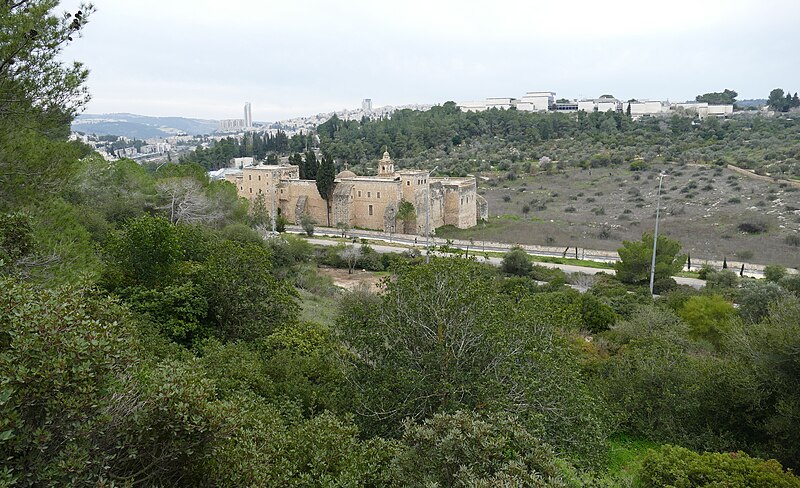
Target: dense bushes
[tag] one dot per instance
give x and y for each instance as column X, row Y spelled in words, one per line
column 676, row 466
column 463, row 449
column 448, row 317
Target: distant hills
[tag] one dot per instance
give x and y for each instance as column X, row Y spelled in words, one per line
column 141, row 126
column 756, row 102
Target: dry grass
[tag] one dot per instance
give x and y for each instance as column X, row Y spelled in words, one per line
column 701, row 207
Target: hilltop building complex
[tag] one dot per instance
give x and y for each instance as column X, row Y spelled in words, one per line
column 370, row 202
column 547, row 102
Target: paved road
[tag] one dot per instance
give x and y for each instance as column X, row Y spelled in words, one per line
column 752, row 270
column 567, row 268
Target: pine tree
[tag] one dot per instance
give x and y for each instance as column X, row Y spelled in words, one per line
column 325, row 182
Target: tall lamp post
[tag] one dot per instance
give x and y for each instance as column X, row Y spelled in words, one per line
column 391, row 223
column 655, row 236
column 428, row 217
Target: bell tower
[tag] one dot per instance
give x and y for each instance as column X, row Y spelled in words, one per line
column 386, row 165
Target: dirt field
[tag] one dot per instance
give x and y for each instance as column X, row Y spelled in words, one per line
column 350, row 281
column 702, row 207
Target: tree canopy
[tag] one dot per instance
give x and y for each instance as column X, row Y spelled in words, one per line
column 725, row 97
column 635, row 259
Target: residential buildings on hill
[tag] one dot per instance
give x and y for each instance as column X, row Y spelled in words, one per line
column 547, row 102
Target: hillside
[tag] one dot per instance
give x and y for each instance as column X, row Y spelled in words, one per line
column 703, row 207
column 141, row 126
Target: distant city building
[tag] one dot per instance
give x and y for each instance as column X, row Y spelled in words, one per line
column 703, row 109
column 370, row 202
column 248, row 115
column 565, row 106
column 602, row 104
column 228, row 125
column 500, row 102
column 472, row 106
column 366, row 105
column 639, row 108
column 536, row 101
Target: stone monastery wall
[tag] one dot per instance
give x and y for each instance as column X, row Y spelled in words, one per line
column 369, row 202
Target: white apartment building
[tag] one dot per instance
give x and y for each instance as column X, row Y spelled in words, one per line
column 500, row 102
column 472, row 106
column 600, row 104
column 226, row 125
column 640, row 108
column 536, row 101
column 703, row 109
column 248, row 115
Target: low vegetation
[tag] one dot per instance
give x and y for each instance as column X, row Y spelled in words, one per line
column 153, row 332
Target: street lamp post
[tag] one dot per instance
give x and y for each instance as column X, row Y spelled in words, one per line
column 428, row 217
column 391, row 223
column 272, row 213
column 655, row 236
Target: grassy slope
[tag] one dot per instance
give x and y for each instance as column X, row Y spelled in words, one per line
column 598, row 209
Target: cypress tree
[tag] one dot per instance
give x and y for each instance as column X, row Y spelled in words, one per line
column 724, row 263
column 325, row 184
column 311, row 166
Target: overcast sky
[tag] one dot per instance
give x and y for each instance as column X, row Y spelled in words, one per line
column 203, row 58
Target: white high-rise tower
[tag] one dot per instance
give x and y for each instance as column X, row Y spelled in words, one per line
column 366, row 105
column 248, row 116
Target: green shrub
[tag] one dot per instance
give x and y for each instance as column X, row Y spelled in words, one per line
column 756, row 297
column 791, row 283
column 516, row 262
column 774, row 272
column 679, row 467
column 675, row 298
column 753, row 227
column 596, row 315
column 465, row 449
column 369, row 259
column 664, row 285
column 550, row 275
column 721, row 280
column 708, row 317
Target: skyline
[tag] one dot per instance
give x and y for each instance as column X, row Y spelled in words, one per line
column 196, row 60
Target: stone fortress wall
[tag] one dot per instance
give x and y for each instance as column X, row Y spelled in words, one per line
column 369, row 202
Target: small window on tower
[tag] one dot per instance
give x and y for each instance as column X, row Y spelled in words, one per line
column 379, row 194
column 359, row 193
column 369, row 194
column 370, row 209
